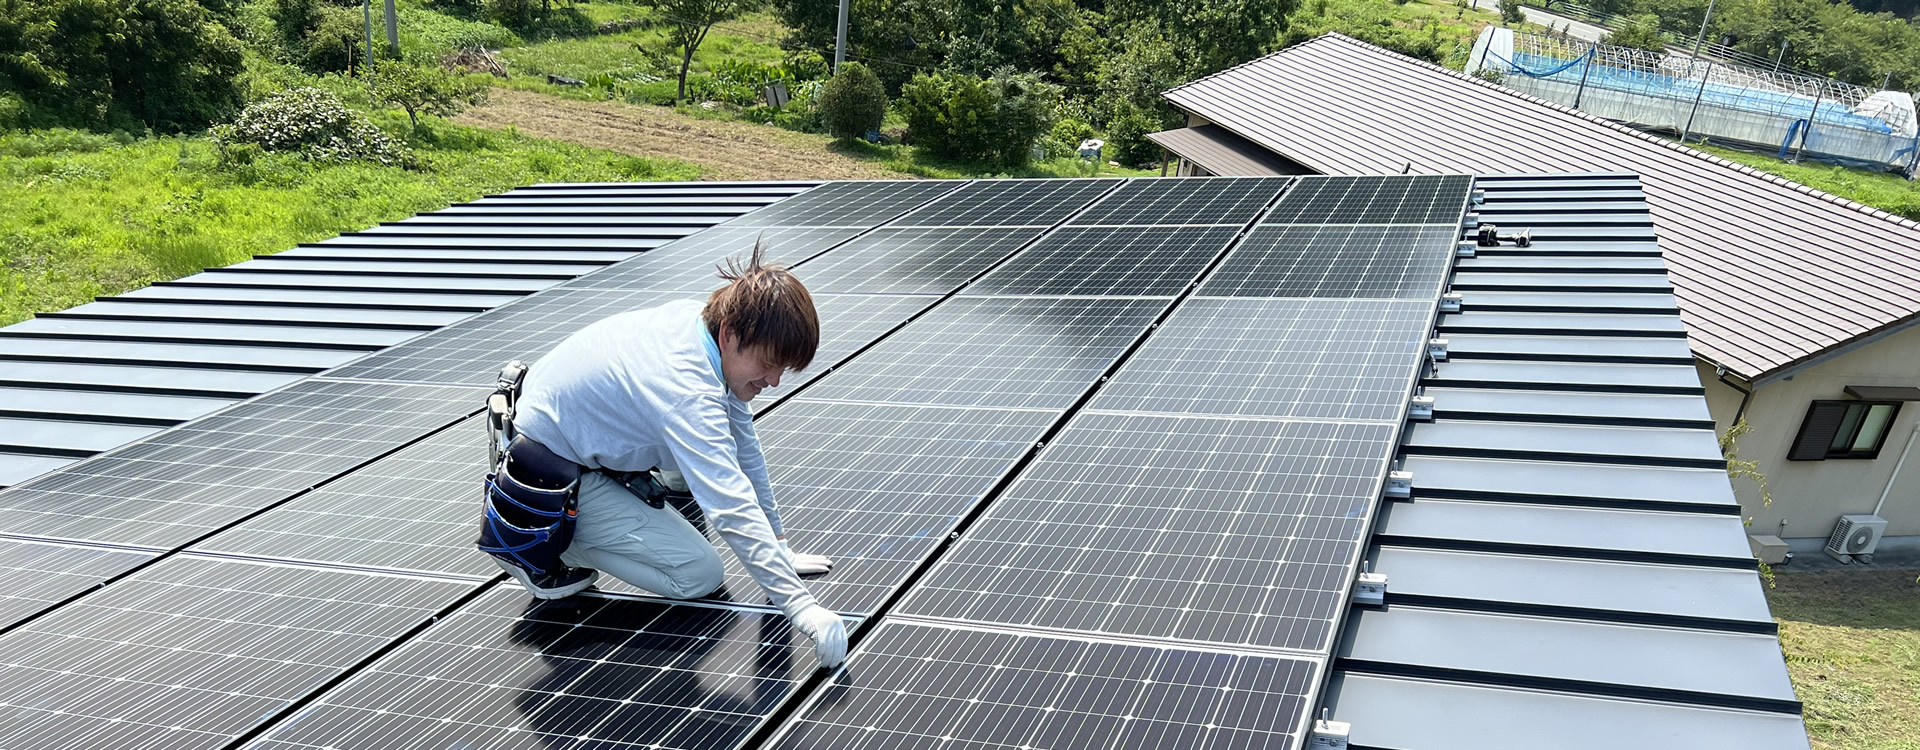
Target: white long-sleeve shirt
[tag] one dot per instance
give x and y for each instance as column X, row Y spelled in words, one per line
column 643, row 389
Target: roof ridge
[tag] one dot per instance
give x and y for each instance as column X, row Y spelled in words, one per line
column 1648, row 137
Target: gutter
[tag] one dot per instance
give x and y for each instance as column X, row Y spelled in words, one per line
column 1746, row 394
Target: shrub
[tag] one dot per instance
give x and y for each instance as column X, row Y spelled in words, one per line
column 423, row 89
column 1511, row 14
column 315, row 125
column 987, row 120
column 1640, row 32
column 852, row 103
column 1065, row 137
column 336, row 44
column 1127, row 138
column 169, row 65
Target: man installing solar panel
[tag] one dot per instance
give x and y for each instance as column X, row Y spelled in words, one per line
column 592, row 439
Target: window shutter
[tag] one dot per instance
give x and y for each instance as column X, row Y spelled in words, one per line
column 1817, row 432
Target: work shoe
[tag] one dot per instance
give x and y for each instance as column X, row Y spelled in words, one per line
column 558, row 584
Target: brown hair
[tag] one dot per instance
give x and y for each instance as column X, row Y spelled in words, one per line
column 765, row 305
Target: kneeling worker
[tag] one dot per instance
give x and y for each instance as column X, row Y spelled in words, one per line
column 665, row 389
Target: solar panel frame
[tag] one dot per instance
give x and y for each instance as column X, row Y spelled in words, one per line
column 1180, row 202
column 1006, row 352
column 1381, row 199
column 1199, row 530
column 195, row 652
column 180, row 484
column 587, row 671
column 927, row 684
column 1125, row 261
column 1336, row 260
column 1322, row 359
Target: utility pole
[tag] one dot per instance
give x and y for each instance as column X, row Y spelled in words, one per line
column 1782, row 55
column 393, row 29
column 840, row 38
column 366, row 10
column 1703, row 28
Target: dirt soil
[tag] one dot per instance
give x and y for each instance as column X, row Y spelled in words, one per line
column 723, row 150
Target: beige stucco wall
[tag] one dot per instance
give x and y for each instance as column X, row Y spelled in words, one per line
column 1811, row 495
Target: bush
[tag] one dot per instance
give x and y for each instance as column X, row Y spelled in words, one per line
column 985, row 120
column 1065, row 138
column 313, row 124
column 1640, row 32
column 1511, row 14
column 852, row 103
column 423, row 90
column 336, row 44
column 170, row 65
column 1127, row 140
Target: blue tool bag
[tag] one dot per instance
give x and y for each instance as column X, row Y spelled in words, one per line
column 531, row 506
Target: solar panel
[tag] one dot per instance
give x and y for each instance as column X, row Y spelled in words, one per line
column 877, row 488
column 1284, row 358
column 194, row 652
column 416, row 510
column 1109, row 261
column 848, row 204
column 581, row 672
column 928, row 260
column 693, row 263
column 185, row 482
column 1422, row 199
column 1033, row 352
column 1195, row 200
column 40, row 575
column 924, row 685
column 847, row 322
column 1327, row 260
column 1008, row 203
column 1236, row 532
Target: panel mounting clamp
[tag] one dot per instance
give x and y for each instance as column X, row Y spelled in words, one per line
column 1399, row 485
column 1420, row 408
column 1370, row 588
column 1437, row 349
column 1328, row 734
column 1451, row 302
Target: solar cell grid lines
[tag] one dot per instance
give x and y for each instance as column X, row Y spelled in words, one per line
column 692, row 263
column 1220, row 531
column 848, row 204
column 1332, row 359
column 1197, row 200
column 1008, row 203
column 916, row 685
column 182, row 483
column 581, row 672
column 876, row 488
column 1421, row 199
column 1328, row 260
column 193, row 652
column 1033, row 352
column 417, row 510
column 925, row 260
column 1124, row 261
column 847, row 322
column 40, row 575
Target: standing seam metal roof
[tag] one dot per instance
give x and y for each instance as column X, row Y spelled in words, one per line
column 1769, row 273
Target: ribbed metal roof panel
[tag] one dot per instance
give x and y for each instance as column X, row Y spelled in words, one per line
column 1654, row 594
column 1769, row 272
column 82, row 380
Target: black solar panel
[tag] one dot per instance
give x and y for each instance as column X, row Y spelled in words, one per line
column 929, row 260
column 877, row 487
column 187, row 481
column 918, row 685
column 1236, row 532
column 471, row 352
column 692, row 263
column 1109, row 261
column 1008, row 203
column 1035, row 352
column 1335, row 261
column 193, row 652
column 1210, row 200
column 848, row 204
column 1287, row 358
column 847, row 322
column 40, row 575
column 416, row 510
column 583, row 672
column 1422, row 199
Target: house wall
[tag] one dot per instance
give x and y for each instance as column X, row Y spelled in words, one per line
column 1811, row 495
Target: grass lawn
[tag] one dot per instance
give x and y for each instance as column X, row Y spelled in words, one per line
column 1852, row 643
column 86, row 215
column 1883, row 190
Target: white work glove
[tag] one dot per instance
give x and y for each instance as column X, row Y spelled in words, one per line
column 805, row 564
column 828, row 632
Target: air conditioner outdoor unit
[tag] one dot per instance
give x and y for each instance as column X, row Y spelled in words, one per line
column 1856, row 536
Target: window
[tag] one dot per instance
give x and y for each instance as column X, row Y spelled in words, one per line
column 1843, row 429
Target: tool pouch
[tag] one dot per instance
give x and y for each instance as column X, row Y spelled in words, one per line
column 531, row 504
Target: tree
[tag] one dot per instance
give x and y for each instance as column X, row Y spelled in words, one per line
column 689, row 22
column 1511, row 14
column 423, row 90
column 983, row 120
column 171, row 65
column 1640, row 32
column 853, row 102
